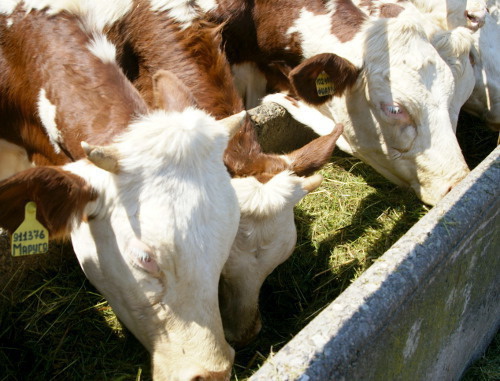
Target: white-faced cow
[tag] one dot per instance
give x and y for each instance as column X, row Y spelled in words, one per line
column 450, row 14
column 485, row 99
column 396, row 116
column 147, row 201
column 171, row 36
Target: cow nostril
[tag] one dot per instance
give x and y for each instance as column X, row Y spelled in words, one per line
column 197, row 378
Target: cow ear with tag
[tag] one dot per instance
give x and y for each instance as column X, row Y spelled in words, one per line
column 60, row 197
column 170, row 93
column 322, row 77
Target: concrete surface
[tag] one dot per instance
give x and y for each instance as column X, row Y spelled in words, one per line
column 424, row 311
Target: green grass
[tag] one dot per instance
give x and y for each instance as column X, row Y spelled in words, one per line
column 55, row 326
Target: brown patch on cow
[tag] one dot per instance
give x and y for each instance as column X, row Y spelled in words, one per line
column 390, row 10
column 243, row 156
column 60, row 197
column 346, row 20
column 342, row 73
column 169, row 93
column 94, row 100
column 312, row 156
column 154, row 41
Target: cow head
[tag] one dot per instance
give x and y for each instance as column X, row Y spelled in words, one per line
column 485, row 99
column 450, row 14
column 152, row 218
column 397, row 117
column 268, row 187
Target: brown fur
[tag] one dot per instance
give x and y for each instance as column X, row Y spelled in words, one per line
column 59, row 195
column 342, row 73
column 390, row 10
column 169, row 93
column 253, row 162
column 152, row 41
column 94, row 100
column 311, row 157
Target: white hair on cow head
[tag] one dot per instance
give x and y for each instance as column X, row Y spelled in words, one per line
column 262, row 200
column 453, row 45
column 185, row 138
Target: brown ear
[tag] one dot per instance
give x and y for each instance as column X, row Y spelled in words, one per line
column 60, row 196
column 341, row 73
column 169, row 93
column 311, row 157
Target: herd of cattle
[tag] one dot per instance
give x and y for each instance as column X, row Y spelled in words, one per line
column 125, row 122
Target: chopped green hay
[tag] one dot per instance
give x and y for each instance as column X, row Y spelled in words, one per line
column 54, row 325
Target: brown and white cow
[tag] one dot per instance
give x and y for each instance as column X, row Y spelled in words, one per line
column 147, row 200
column 396, row 115
column 165, row 35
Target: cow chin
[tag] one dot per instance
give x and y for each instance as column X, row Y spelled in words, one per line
column 431, row 195
column 175, row 366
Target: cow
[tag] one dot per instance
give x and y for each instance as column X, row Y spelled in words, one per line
column 395, row 116
column 142, row 192
column 174, row 37
column 450, row 14
column 485, row 99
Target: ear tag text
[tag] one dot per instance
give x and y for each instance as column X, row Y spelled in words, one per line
column 324, row 85
column 31, row 237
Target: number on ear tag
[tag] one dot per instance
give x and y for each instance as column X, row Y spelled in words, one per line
column 324, row 86
column 31, row 237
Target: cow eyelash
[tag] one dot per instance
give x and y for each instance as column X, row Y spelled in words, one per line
column 395, row 110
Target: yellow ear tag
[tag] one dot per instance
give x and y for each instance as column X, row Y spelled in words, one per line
column 31, row 237
column 324, row 86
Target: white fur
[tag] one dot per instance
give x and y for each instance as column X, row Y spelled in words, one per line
column 182, row 11
column 451, row 13
column 13, row 159
column 102, row 48
column 485, row 99
column 47, row 113
column 172, row 197
column 304, row 113
column 8, row 6
column 314, row 31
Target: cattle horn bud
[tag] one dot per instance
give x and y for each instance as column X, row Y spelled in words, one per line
column 104, row 157
column 234, row 122
column 312, row 182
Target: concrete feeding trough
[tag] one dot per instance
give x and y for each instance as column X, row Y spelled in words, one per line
column 424, row 310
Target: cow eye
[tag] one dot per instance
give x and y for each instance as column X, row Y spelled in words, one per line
column 394, row 109
column 396, row 113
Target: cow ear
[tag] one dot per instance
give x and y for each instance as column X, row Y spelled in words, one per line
column 60, row 197
column 311, row 157
column 323, row 76
column 169, row 93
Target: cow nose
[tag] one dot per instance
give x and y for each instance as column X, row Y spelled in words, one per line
column 476, row 19
column 209, row 376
